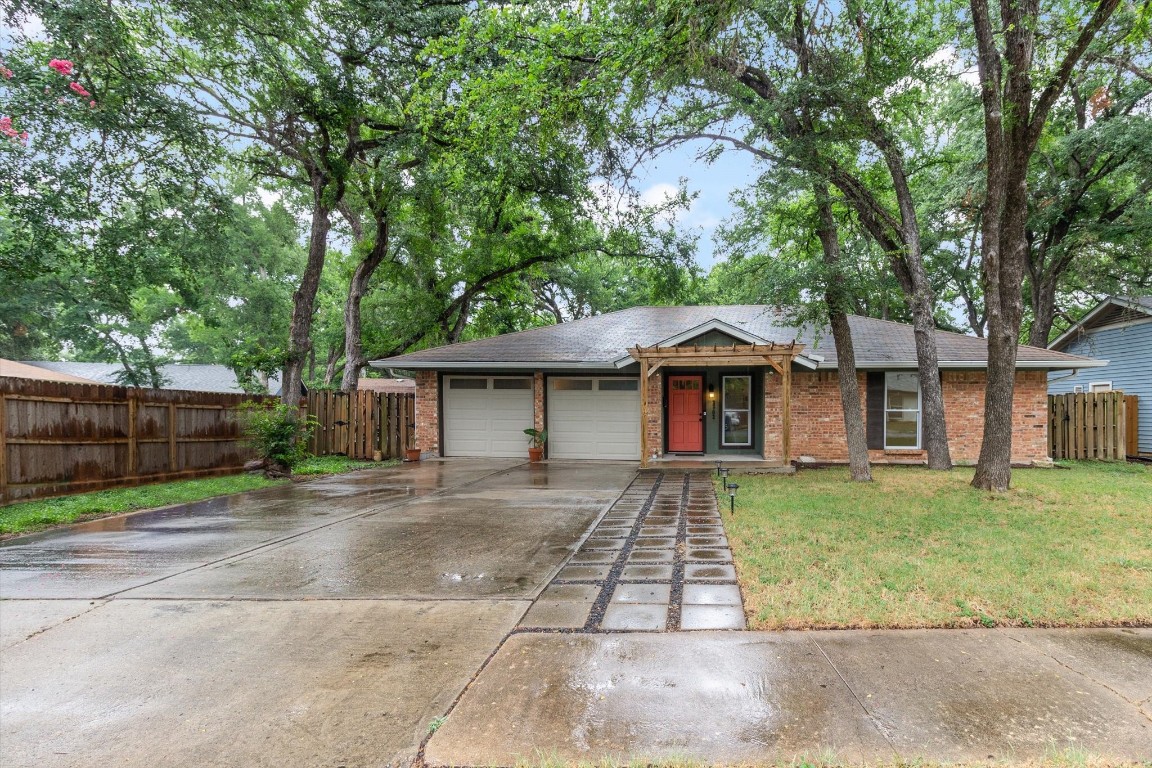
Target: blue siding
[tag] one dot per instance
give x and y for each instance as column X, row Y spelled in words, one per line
column 1128, row 350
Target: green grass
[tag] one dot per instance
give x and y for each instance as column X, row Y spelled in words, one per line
column 27, row 516
column 336, row 465
column 1065, row 547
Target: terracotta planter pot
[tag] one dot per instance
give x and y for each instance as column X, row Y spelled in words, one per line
column 412, row 454
column 535, row 454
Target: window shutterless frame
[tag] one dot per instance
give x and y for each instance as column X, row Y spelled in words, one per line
column 888, row 410
column 736, row 415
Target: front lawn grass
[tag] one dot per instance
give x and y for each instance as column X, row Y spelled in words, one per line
column 915, row 548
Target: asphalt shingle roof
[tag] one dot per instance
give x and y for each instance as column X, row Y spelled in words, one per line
column 193, row 377
column 605, row 338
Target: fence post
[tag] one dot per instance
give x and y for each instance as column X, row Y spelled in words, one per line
column 133, row 448
column 3, row 450
column 172, row 437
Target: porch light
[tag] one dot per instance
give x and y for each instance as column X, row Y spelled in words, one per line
column 732, row 487
column 711, row 391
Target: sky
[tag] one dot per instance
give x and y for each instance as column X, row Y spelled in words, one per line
column 713, row 184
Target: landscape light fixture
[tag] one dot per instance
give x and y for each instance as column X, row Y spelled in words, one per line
column 719, row 463
column 732, row 487
column 724, row 473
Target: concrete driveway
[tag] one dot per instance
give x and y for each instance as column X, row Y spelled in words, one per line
column 323, row 624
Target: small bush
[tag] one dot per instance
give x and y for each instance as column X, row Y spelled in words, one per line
column 278, row 433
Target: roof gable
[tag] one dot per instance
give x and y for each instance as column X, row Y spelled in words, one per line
column 1114, row 310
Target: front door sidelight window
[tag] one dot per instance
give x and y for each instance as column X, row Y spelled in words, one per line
column 737, row 406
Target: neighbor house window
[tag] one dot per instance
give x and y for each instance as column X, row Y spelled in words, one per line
column 1100, row 386
column 737, row 411
column 901, row 410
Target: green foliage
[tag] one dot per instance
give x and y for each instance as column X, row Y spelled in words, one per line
column 536, row 437
column 336, row 465
column 278, row 432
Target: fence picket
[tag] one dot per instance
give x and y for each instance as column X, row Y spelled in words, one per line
column 1091, row 425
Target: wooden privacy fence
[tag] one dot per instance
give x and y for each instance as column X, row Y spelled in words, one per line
column 58, row 438
column 1091, row 425
column 362, row 423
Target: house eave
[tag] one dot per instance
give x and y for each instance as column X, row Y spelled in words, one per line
column 488, row 365
column 1042, row 365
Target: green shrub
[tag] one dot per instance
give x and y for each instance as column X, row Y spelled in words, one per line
column 278, row 433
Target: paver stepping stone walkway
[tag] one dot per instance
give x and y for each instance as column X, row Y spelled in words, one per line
column 658, row 561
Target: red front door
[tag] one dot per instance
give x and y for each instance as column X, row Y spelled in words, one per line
column 685, row 414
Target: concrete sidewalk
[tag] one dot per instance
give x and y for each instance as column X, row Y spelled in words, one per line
column 754, row 697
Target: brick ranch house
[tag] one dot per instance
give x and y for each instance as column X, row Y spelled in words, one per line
column 731, row 382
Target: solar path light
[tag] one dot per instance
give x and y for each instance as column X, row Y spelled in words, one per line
column 732, row 487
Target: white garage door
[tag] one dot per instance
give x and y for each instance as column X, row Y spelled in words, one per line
column 487, row 415
column 591, row 418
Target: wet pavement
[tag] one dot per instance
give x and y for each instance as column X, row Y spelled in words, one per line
column 754, row 697
column 658, row 561
column 332, row 623
column 321, row 624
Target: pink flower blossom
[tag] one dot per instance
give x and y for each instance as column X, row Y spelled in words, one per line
column 5, row 73
column 78, row 89
column 7, row 129
column 92, row 104
column 63, row 66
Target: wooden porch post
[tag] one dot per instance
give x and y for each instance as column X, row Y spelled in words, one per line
column 786, row 405
column 643, row 412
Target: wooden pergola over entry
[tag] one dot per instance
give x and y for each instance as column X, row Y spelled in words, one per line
column 778, row 356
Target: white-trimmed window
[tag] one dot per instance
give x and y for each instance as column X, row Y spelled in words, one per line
column 902, row 410
column 1099, row 386
column 737, row 405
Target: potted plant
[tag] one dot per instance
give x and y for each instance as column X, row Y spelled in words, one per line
column 536, row 440
column 411, row 453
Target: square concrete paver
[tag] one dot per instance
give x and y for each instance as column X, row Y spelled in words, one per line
column 641, row 593
column 718, row 555
column 646, row 572
column 698, row 571
column 581, row 593
column 583, row 572
column 651, row 556
column 712, row 594
column 592, row 557
column 712, row 617
column 655, row 543
column 635, row 616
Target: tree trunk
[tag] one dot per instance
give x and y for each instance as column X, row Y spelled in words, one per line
column 354, row 360
column 1043, row 310
column 835, row 297
column 304, row 299
column 330, row 365
column 1013, row 121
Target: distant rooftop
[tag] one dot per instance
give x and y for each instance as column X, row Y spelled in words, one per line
column 195, row 377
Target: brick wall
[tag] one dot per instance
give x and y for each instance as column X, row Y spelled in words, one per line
column 655, row 421
column 818, row 419
column 428, row 413
column 538, row 401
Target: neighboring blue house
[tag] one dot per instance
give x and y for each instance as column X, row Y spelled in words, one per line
column 1119, row 330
